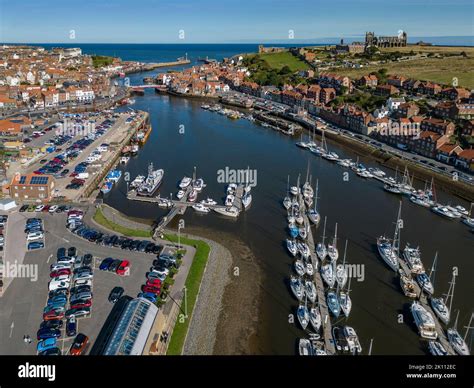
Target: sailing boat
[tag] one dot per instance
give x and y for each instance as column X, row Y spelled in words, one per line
column 333, row 253
column 328, row 274
column 297, row 288
column 406, row 187
column 456, row 341
column 321, row 250
column 437, row 349
column 313, row 213
column 469, row 220
column 315, row 318
column 390, row 251
column 425, row 281
column 310, row 291
column 301, row 143
column 304, row 347
column 287, row 199
column 341, row 271
column 345, row 300
column 333, row 303
column 440, row 305
column 303, row 315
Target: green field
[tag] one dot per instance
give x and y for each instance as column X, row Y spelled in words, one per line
column 106, row 223
column 285, row 58
column 193, row 282
column 100, row 60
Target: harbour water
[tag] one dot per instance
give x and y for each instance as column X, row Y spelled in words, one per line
column 362, row 209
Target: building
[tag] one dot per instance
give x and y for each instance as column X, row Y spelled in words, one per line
column 132, row 328
column 465, row 160
column 386, row 90
column 448, row 153
column 427, row 143
column 386, row 41
column 369, row 81
column 442, row 127
column 31, row 187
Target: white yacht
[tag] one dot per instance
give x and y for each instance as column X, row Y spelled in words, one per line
column 291, row 246
column 303, row 315
column 341, row 275
column 303, row 249
column 297, row 287
column 424, row 321
column 377, row 172
column 437, row 349
column 124, row 159
column 208, row 202
column 303, row 232
column 180, row 194
column 152, row 182
column 300, row 268
column 445, row 212
column 310, row 291
column 231, row 189
column 388, row 253
column 310, row 269
column 333, row 303
column 333, row 253
column 331, row 156
column 440, row 309
column 425, row 283
column 392, row 188
column 345, row 302
column 199, row 207
column 408, row 285
column 344, row 162
column 229, row 200
column 420, row 200
column 328, row 275
column 305, row 347
column 352, row 340
column 228, row 211
column 413, row 258
column 458, row 343
column 185, row 182
column 315, row 318
column 137, row 181
column 192, row 196
column 294, row 190
column 287, row 203
column 247, row 200
column 321, row 250
column 198, row 184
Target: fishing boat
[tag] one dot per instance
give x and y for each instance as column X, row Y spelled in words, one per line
column 456, row 341
column 124, row 159
column 300, row 268
column 303, row 315
column 200, row 208
column 137, row 181
column 352, row 340
column 437, row 349
column 315, row 318
column 340, row 341
column 310, row 291
column 297, row 288
column 185, row 182
column 305, row 347
column 333, row 303
column 389, row 251
column 152, row 182
column 228, row 211
column 321, row 250
column 424, row 321
column 413, row 258
column 192, row 196
column 408, row 285
column 114, row 176
column 328, row 275
column 291, row 246
column 444, row 212
column 229, row 200
column 208, row 202
column 198, row 184
column 106, row 187
column 442, row 306
column 180, row 194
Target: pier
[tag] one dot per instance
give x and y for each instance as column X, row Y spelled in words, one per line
column 178, row 207
column 423, row 300
column 323, row 308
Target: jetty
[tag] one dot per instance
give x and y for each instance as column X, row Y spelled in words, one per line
column 323, row 308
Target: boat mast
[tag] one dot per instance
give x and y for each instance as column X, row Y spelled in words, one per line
column 450, row 294
column 324, row 229
column 316, row 195
column 288, row 187
column 468, row 327
column 335, row 237
column 370, row 347
column 433, row 268
column 396, row 237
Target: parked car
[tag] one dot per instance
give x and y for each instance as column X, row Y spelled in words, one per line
column 71, row 326
column 114, row 265
column 104, row 266
column 115, row 294
column 53, row 324
column 79, row 345
column 78, row 313
column 123, row 268
column 46, row 344
column 48, row 333
column 72, row 252
column 35, row 245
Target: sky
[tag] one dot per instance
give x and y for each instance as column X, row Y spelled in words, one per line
column 227, row 21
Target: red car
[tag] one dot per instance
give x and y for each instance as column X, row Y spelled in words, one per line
column 77, row 180
column 52, row 315
column 74, row 212
column 154, row 283
column 59, row 272
column 73, row 174
column 123, row 268
column 153, row 290
column 84, row 303
column 46, row 208
column 79, row 345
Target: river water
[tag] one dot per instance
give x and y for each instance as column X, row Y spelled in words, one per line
column 363, row 211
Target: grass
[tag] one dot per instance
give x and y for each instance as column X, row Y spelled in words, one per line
column 440, row 70
column 100, row 60
column 193, row 282
column 285, row 58
column 430, row 49
column 106, row 223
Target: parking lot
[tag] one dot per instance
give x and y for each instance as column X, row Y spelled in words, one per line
column 22, row 304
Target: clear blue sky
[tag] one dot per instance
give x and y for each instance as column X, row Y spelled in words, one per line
column 219, row 21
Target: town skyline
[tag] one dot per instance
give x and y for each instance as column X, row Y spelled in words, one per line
column 264, row 22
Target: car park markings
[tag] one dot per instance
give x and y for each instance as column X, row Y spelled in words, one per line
column 12, row 326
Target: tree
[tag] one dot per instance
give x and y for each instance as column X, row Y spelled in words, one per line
column 285, row 70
